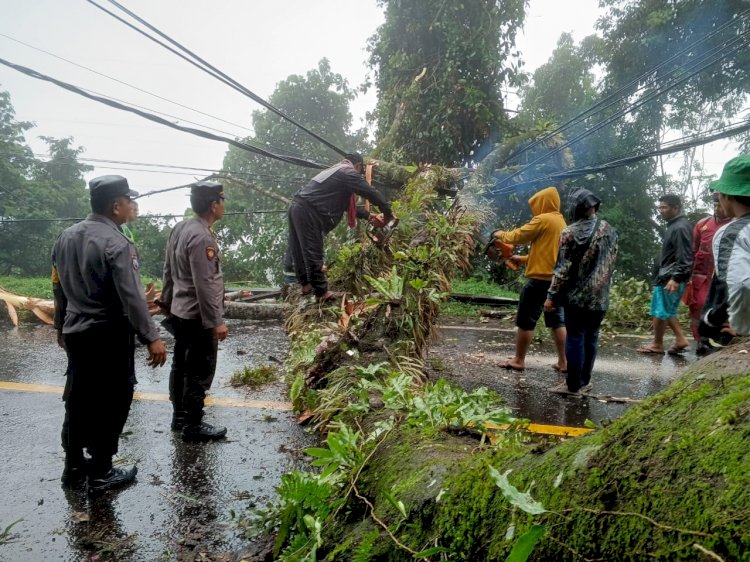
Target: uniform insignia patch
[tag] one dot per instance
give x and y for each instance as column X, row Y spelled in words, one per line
column 210, row 253
column 136, row 261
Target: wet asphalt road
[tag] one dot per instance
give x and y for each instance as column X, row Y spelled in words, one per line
column 181, row 505
column 468, row 353
column 182, row 501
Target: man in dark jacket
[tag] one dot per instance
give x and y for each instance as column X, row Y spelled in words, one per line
column 580, row 283
column 99, row 307
column 672, row 274
column 316, row 210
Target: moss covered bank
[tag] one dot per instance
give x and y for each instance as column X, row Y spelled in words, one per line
column 668, row 481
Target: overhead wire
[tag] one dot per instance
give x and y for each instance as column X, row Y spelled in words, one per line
column 667, row 148
column 619, row 94
column 208, row 68
column 155, row 118
column 692, row 71
column 168, row 100
column 170, row 216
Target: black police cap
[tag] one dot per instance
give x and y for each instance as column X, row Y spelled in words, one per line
column 207, row 190
column 355, row 158
column 110, row 187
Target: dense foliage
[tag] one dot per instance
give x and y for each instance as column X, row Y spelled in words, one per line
column 32, row 188
column 446, row 63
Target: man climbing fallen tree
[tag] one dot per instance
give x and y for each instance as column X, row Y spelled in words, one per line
column 317, row 209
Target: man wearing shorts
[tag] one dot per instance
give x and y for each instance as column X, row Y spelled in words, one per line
column 673, row 270
column 542, row 232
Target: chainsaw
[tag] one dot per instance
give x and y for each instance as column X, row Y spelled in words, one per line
column 501, row 252
column 381, row 234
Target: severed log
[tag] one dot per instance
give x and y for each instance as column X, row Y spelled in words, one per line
column 44, row 309
column 255, row 311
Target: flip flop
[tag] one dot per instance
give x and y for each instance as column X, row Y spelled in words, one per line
column 557, row 368
column 649, row 350
column 507, row 365
column 677, row 350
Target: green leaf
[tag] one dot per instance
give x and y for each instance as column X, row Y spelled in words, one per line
column 522, row 500
column 430, row 552
column 525, row 544
column 588, row 423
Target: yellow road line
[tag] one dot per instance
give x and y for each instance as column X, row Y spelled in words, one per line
column 155, row 397
column 561, row 430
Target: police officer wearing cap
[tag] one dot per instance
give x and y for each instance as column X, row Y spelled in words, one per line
column 99, row 307
column 193, row 295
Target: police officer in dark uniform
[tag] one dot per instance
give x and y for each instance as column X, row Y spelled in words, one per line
column 193, row 295
column 99, row 307
column 316, row 210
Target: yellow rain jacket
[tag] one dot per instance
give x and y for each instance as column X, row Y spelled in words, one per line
column 542, row 232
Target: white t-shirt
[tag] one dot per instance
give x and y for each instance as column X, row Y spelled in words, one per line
column 737, row 277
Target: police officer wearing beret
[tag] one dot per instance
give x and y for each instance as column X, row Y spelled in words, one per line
column 99, row 307
column 193, row 295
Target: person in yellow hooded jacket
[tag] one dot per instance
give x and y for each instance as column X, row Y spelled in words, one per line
column 542, row 233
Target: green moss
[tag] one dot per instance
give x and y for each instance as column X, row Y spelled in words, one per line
column 255, row 377
column 680, row 458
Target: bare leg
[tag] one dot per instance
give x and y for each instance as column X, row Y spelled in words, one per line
column 660, row 327
column 679, row 337
column 559, row 335
column 523, row 341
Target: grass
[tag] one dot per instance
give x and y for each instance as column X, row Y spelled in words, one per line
column 476, row 286
column 39, row 287
column 255, row 377
column 473, row 286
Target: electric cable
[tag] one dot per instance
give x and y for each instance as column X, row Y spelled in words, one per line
column 155, row 118
column 668, row 148
column 210, row 69
column 619, row 94
column 647, row 98
column 173, row 216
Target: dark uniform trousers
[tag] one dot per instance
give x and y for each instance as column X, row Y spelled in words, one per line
column 193, row 368
column 306, row 244
column 98, row 392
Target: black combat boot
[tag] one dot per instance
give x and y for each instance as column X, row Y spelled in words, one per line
column 203, row 432
column 75, row 471
column 178, row 421
column 111, row 480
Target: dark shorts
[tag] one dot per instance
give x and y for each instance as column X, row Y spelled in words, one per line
column 531, row 304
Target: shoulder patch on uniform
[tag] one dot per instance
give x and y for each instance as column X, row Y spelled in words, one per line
column 210, row 252
column 136, row 261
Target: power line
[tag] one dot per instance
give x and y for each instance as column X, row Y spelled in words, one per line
column 649, row 97
column 668, row 148
column 153, row 95
column 228, row 213
column 619, row 94
column 209, row 69
column 155, row 118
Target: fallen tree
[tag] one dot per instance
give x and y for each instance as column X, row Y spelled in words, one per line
column 406, row 471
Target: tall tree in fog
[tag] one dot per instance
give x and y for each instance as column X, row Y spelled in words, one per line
column 641, row 35
column 563, row 89
column 320, row 101
column 32, row 188
column 439, row 69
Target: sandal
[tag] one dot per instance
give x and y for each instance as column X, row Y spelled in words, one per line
column 648, row 349
column 557, row 368
column 677, row 349
column 507, row 365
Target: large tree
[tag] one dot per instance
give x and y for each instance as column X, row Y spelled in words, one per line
column 32, row 191
column 439, row 68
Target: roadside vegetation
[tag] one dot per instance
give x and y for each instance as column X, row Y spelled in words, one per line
column 254, row 377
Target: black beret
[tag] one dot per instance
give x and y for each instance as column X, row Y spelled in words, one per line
column 110, row 187
column 207, row 190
